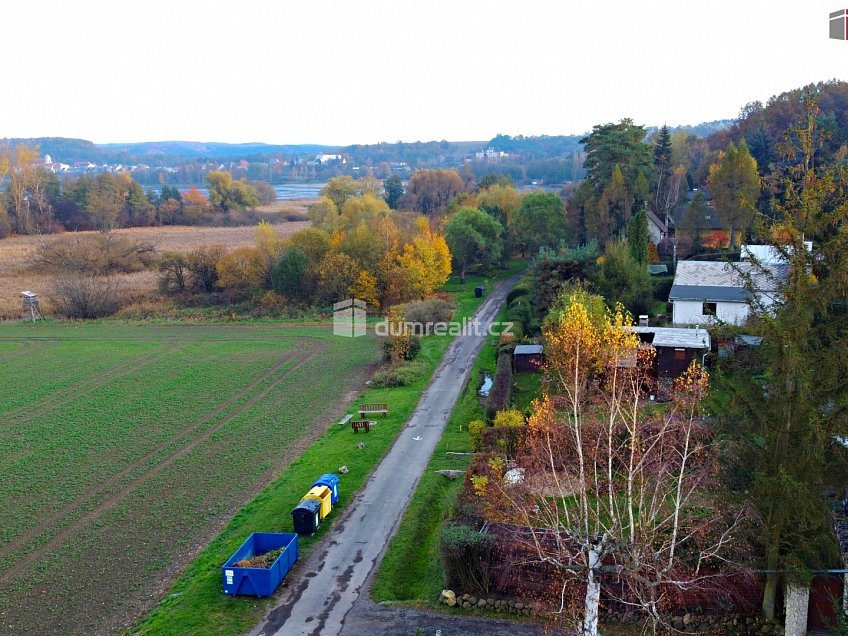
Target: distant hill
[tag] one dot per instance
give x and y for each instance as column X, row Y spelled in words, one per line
column 704, row 129
column 764, row 126
column 212, row 150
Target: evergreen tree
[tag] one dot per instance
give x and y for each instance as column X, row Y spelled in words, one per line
column 393, row 191
column 663, row 157
column 638, row 237
column 785, row 422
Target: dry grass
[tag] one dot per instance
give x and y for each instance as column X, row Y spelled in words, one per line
column 18, row 274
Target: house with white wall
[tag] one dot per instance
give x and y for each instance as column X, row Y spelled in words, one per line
column 709, row 292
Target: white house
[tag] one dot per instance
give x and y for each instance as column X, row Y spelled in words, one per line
column 707, row 292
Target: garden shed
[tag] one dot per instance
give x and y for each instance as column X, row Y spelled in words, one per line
column 527, row 358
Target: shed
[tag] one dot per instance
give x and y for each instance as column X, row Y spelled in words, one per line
column 676, row 348
column 527, row 358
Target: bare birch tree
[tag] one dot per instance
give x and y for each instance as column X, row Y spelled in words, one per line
column 613, row 488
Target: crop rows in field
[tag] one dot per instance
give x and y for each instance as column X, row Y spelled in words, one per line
column 119, row 481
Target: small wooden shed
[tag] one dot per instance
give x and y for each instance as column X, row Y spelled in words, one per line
column 527, row 358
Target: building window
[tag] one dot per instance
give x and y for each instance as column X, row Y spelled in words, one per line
column 709, row 309
column 680, row 354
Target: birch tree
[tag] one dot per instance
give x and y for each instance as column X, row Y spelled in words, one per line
column 613, row 489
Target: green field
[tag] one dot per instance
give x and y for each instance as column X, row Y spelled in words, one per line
column 128, row 447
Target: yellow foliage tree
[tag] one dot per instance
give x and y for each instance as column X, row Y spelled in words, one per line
column 424, row 264
column 242, row 270
column 510, row 417
column 365, row 288
column 270, row 246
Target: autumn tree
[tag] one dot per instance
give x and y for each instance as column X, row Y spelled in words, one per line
column 430, row 191
column 227, row 194
column 195, row 205
column 241, row 271
column 473, row 237
column 735, row 186
column 336, row 275
column 340, row 189
column 422, row 266
column 324, row 214
column 22, row 168
column 611, row 489
column 314, row 243
column 270, row 246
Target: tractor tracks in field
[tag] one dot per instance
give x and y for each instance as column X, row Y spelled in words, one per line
column 26, row 413
column 20, row 563
column 30, row 346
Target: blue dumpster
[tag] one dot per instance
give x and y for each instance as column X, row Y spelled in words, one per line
column 330, row 481
column 260, row 581
column 306, row 516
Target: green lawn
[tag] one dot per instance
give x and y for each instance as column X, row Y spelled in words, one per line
column 195, row 603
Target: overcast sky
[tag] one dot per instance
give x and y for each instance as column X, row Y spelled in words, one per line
column 341, row 72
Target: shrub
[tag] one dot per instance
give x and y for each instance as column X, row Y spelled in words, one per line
column 519, row 290
column 428, row 311
column 718, row 239
column 510, row 417
column 290, row 276
column 500, row 396
column 397, row 348
column 395, row 376
column 201, row 264
column 503, row 439
column 173, row 273
column 98, row 254
column 466, row 556
column 241, row 270
column 475, row 434
column 85, row 296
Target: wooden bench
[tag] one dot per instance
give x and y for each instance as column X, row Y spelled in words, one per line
column 366, row 425
column 373, row 409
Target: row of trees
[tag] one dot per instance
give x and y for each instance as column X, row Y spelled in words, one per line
column 372, row 253
column 36, row 201
column 625, row 174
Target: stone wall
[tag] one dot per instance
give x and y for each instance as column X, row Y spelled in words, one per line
column 730, row 624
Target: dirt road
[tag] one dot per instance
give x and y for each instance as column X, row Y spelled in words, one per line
column 335, row 574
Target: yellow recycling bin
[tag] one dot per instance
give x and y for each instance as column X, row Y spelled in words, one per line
column 322, row 495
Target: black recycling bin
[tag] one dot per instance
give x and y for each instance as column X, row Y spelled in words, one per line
column 478, row 291
column 306, row 516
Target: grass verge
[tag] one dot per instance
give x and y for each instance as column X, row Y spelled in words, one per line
column 411, row 569
column 195, row 604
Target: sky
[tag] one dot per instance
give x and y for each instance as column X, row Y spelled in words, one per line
column 342, row 72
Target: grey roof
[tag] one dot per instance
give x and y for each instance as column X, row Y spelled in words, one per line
column 725, row 282
column 660, row 268
column 657, row 221
column 532, row 349
column 677, row 338
column 709, row 293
